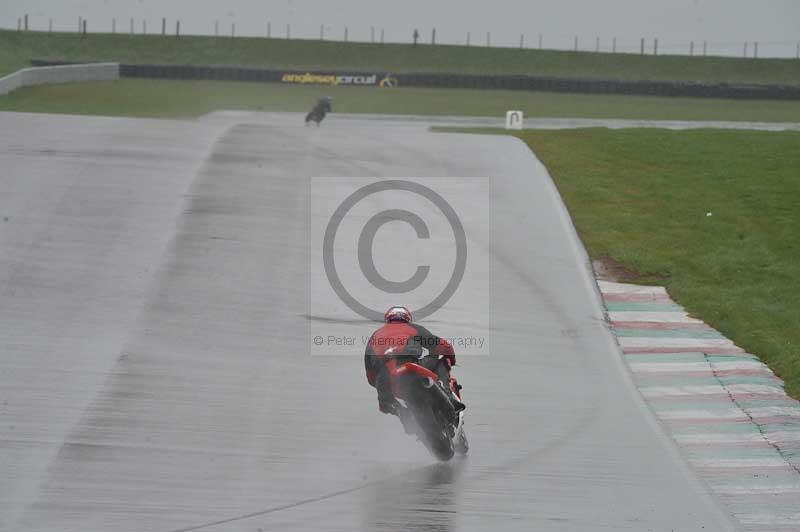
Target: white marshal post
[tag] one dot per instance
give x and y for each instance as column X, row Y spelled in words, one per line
column 514, row 120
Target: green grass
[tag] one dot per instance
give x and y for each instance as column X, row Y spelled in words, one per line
column 160, row 98
column 16, row 49
column 640, row 196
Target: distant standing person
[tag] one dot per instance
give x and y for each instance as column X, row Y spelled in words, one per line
column 416, row 36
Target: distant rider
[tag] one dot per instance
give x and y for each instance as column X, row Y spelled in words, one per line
column 400, row 338
column 320, row 109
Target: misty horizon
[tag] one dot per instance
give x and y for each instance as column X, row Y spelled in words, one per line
column 725, row 26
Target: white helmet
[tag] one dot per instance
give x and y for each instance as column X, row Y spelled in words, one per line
column 397, row 314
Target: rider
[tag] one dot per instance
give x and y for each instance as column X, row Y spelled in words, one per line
column 324, row 104
column 320, row 109
column 400, row 337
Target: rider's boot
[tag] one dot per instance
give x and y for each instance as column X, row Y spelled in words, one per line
column 457, row 404
column 455, row 388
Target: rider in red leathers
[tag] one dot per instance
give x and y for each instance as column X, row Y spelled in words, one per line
column 399, row 337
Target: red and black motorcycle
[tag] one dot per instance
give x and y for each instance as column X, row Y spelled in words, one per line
column 426, row 409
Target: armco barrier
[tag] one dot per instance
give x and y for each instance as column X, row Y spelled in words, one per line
column 467, row 81
column 59, row 74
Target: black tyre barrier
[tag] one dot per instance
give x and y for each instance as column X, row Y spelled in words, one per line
column 464, row 81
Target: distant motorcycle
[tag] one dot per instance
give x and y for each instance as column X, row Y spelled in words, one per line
column 426, row 410
column 318, row 112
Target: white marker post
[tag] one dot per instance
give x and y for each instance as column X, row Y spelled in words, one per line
column 514, row 120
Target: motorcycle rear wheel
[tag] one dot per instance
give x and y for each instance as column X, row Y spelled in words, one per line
column 435, row 437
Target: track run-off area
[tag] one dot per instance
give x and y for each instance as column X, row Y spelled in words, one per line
column 158, row 286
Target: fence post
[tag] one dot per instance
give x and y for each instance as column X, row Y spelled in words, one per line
column 522, row 41
column 433, row 36
column 745, row 48
column 233, row 30
column 372, row 34
column 269, row 29
column 288, row 32
column 597, row 45
column 26, row 22
column 163, row 26
column 177, row 28
column 50, row 26
column 84, row 27
column 144, row 27
column 488, row 38
column 131, row 25
column 655, row 46
column 467, row 38
column 642, row 46
column 576, row 43
column 113, row 25
column 705, row 48
column 691, row 49
column 381, row 35
column 755, row 50
column 614, row 45
column 345, row 34
column 540, row 41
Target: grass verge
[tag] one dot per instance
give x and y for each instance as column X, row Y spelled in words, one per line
column 640, row 196
column 17, row 48
column 163, row 98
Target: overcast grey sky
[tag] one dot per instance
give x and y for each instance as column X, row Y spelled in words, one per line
column 725, row 24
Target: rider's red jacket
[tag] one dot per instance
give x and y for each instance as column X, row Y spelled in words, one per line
column 402, row 339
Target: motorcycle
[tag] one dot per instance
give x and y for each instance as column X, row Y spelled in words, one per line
column 318, row 112
column 425, row 409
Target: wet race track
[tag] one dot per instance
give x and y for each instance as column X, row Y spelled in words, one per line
column 160, row 287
